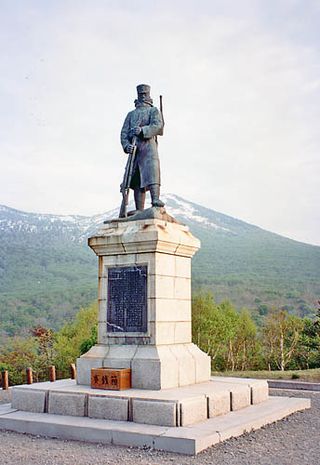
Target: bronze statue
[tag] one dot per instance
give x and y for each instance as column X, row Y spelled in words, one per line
column 139, row 140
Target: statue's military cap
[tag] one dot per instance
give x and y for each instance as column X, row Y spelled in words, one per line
column 143, row 88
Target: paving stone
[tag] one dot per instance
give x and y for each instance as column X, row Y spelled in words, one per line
column 108, row 408
column 62, row 403
column 154, row 412
column 6, row 408
column 6, row 395
column 219, row 403
column 240, row 397
column 259, row 387
column 28, row 400
column 193, row 411
column 259, row 393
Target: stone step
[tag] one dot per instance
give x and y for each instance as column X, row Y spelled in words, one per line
column 295, row 385
column 168, row 407
column 185, row 440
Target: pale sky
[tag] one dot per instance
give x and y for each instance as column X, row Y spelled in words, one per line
column 241, row 87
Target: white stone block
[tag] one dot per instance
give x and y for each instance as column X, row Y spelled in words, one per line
column 126, row 259
column 193, row 411
column 161, row 287
column 186, row 363
column 165, row 264
column 125, row 438
column 164, row 332
column 202, row 363
column 146, row 374
column 119, row 356
column 259, row 387
column 182, row 332
column 102, row 317
column 219, row 403
column 62, row 403
column 102, row 288
column 6, row 395
column 182, row 288
column 28, row 400
column 169, row 332
column 152, row 313
column 154, row 368
column 240, row 397
column 171, row 310
column 183, row 267
column 109, row 260
column 147, row 259
column 102, row 333
column 92, row 359
column 145, row 236
column 119, row 340
column 152, row 332
column 108, row 408
column 179, row 445
column 154, row 412
column 259, row 392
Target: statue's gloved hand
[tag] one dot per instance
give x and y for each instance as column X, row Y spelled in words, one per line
column 129, row 148
column 136, row 131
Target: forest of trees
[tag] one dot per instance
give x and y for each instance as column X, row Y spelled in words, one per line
column 45, row 347
column 235, row 342
column 232, row 338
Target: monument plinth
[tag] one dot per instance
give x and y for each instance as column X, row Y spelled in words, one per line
column 145, row 305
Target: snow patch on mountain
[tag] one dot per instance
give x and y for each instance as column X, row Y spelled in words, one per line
column 186, row 210
column 78, row 228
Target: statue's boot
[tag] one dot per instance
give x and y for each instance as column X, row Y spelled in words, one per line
column 155, row 194
column 139, row 199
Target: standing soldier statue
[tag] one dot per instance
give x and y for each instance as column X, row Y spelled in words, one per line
column 139, row 140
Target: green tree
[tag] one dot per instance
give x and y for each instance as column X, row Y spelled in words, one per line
column 228, row 337
column 308, row 350
column 230, row 317
column 70, row 339
column 246, row 346
column 208, row 325
column 281, row 334
column 45, row 352
column 18, row 354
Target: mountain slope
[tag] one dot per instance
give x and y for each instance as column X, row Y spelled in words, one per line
column 249, row 265
column 47, row 271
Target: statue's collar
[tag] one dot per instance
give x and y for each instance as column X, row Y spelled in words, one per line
column 143, row 104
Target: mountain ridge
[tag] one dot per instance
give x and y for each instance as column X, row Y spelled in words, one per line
column 47, row 271
column 113, row 213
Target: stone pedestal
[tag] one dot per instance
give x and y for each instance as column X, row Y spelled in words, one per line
column 145, row 305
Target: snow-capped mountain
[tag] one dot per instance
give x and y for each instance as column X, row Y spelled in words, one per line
column 47, row 272
column 75, row 227
column 78, row 228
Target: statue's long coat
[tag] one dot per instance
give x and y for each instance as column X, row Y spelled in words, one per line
column 147, row 164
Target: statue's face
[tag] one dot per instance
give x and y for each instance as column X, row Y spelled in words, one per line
column 143, row 96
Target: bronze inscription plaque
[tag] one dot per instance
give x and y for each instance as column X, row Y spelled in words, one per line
column 127, row 299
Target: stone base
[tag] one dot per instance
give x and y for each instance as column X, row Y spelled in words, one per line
column 185, row 439
column 169, row 407
column 152, row 213
column 153, row 367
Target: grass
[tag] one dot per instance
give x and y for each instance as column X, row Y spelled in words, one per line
column 312, row 375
